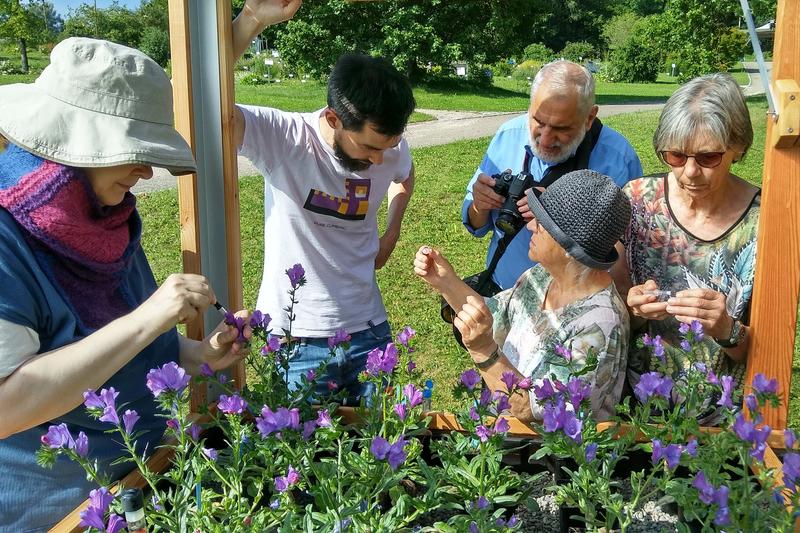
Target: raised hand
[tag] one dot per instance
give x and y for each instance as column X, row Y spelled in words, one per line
column 474, row 322
column 431, row 265
column 269, row 12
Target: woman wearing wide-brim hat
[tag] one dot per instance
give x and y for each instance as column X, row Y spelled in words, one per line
column 79, row 307
column 567, row 303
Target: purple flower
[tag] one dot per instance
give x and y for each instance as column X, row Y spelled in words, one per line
column 400, row 410
column 410, row 366
column 751, row 402
column 405, row 335
column 652, row 384
column 501, row 425
column 481, row 503
column 92, row 516
column 502, row 402
column 194, row 431
column 691, row 448
column 115, row 524
column 510, row 379
column 58, row 437
column 271, row 421
column 671, row 453
column 397, row 453
column 544, row 390
column 473, row 414
column 483, row 433
column 578, row 391
column 206, row 371
column 309, row 427
column 275, row 504
column 413, row 395
column 721, row 499
column 473, row 527
column 296, row 276
column 564, row 352
column 591, row 452
column 744, row 429
column 764, row 386
column 129, row 420
column 82, row 444
column 705, row 490
column 282, row 483
column 727, row 391
column 701, row 367
column 697, row 329
column 572, row 427
column 712, row 377
column 525, row 384
column 169, row 377
column 382, row 361
column 789, row 438
column 272, row 346
column 232, row 405
column 340, row 337
column 685, row 346
column 110, row 415
column 324, row 419
column 211, row 453
column 791, row 470
column 485, row 398
column 470, row 378
column 684, row 328
column 379, row 447
column 105, row 402
column 259, row 320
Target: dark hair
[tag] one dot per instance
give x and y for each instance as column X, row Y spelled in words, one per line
column 364, row 88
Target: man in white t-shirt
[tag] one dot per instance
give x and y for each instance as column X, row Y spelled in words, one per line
column 326, row 174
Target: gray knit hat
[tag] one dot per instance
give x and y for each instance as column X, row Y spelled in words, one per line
column 586, row 213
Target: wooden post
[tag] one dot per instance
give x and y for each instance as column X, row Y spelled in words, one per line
column 777, row 281
column 209, row 209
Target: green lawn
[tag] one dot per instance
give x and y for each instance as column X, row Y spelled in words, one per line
column 432, row 218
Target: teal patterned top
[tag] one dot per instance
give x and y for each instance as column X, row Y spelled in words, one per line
column 527, row 335
column 659, row 248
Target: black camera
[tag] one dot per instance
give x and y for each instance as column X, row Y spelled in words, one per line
column 513, row 187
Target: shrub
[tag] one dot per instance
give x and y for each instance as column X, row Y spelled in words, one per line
column 634, row 62
column 526, row 69
column 538, row 52
column 580, row 51
column 503, row 68
column 155, row 43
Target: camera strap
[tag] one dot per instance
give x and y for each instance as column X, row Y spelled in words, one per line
column 579, row 161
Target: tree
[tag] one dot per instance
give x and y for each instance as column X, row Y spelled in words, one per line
column 23, row 24
column 538, row 52
column 155, row 43
column 636, row 61
column 415, row 35
column 577, row 51
column 114, row 23
column 558, row 21
column 697, row 34
column 619, row 29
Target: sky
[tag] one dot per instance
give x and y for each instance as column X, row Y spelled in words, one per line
column 62, row 6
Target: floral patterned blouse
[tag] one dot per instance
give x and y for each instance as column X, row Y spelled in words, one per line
column 659, row 248
column 527, row 335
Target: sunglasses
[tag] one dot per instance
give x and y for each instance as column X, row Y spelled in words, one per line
column 704, row 159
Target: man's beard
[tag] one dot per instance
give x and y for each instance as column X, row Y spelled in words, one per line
column 350, row 163
column 565, row 153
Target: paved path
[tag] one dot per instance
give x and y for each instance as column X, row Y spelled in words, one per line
column 451, row 126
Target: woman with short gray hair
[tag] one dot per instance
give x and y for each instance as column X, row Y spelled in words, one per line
column 690, row 247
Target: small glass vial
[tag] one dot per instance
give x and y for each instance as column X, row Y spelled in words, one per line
column 133, row 505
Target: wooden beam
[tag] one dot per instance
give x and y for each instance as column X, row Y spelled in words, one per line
column 233, row 235
column 777, row 281
column 180, row 59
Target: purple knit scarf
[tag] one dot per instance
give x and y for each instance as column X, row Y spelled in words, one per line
column 84, row 248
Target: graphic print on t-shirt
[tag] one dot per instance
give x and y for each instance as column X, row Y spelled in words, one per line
column 353, row 206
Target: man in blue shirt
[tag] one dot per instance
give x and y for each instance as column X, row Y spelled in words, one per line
column 559, row 134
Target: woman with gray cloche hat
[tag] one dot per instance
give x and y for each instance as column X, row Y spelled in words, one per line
column 567, row 303
column 79, row 307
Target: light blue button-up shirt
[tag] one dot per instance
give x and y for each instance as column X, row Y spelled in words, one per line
column 613, row 156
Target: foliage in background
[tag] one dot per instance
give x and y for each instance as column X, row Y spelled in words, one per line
column 578, row 51
column 26, row 24
column 635, row 61
column 155, row 43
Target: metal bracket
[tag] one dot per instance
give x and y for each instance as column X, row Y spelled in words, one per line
column 786, row 131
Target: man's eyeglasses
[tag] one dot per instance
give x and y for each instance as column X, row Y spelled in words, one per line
column 704, row 159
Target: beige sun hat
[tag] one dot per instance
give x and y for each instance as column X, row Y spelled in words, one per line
column 97, row 104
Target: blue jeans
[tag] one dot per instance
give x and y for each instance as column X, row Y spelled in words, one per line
column 344, row 366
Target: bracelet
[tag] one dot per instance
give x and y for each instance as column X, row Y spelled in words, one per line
column 490, row 361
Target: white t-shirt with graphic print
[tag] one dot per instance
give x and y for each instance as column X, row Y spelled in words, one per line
column 321, row 215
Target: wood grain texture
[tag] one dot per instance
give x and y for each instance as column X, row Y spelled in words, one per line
column 775, row 291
